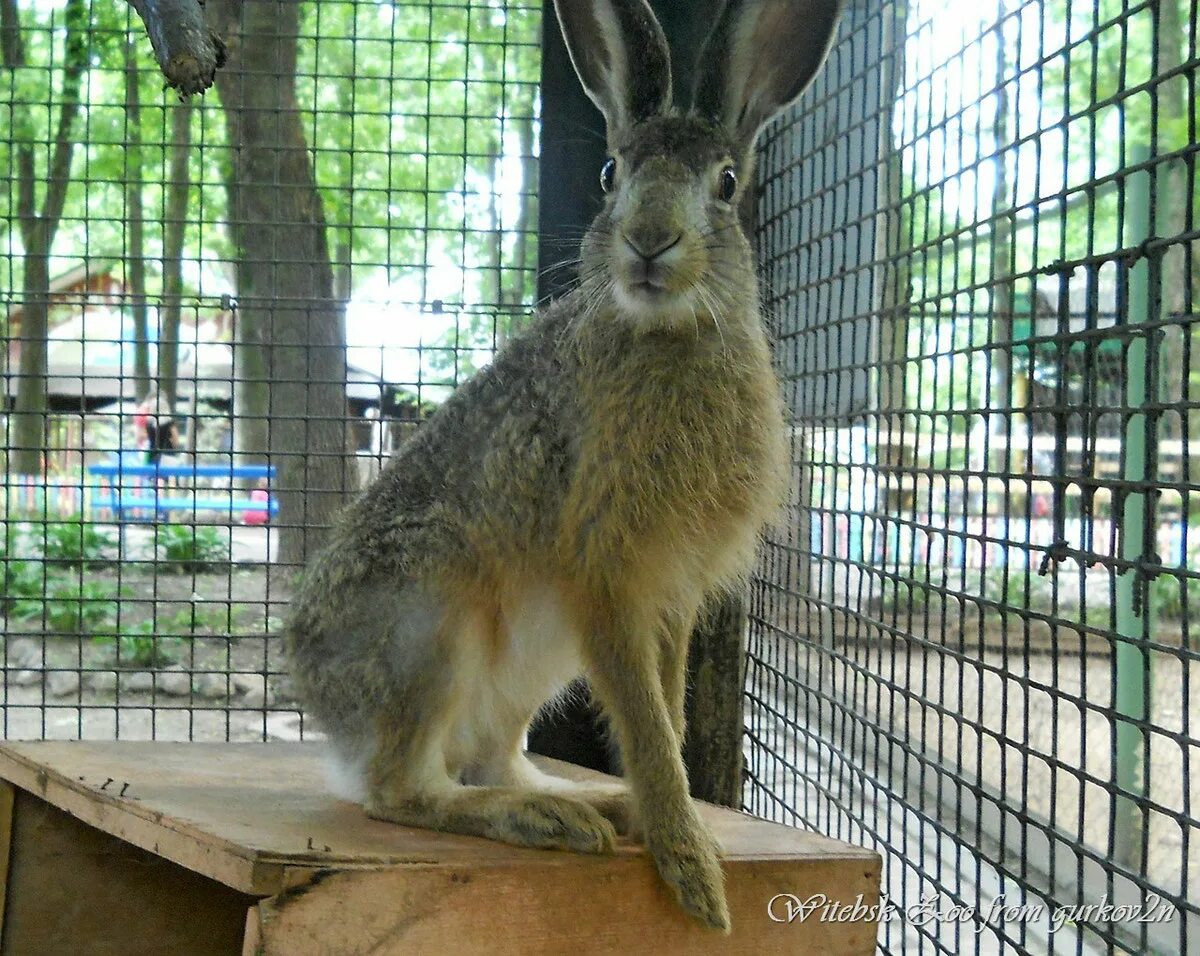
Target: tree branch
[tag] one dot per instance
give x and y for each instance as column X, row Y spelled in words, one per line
column 188, row 52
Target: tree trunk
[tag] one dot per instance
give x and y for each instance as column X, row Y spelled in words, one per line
column 178, row 189
column 28, row 421
column 135, row 220
column 342, row 273
column 492, row 282
column 251, row 399
column 527, row 215
column 28, row 424
column 1009, row 385
column 284, row 273
column 343, row 288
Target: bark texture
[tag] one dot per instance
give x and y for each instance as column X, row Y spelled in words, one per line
column 188, row 52
column 178, row 189
column 135, row 225
column 287, row 311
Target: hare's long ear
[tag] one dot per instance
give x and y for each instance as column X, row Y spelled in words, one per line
column 621, row 56
column 760, row 56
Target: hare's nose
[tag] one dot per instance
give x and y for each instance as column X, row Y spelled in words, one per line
column 651, row 247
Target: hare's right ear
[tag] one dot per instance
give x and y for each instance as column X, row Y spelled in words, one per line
column 621, row 55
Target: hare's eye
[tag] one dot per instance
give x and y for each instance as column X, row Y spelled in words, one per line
column 727, row 184
column 608, row 174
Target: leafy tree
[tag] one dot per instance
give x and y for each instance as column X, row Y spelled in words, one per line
column 417, row 172
column 1061, row 105
column 50, row 170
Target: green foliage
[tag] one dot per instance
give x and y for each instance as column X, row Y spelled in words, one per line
column 139, row 646
column 44, row 590
column 1018, row 588
column 72, row 607
column 187, row 548
column 1167, row 595
column 75, row 542
column 901, row 595
column 157, row 641
column 1061, row 134
column 24, row 581
column 216, row 618
column 423, row 134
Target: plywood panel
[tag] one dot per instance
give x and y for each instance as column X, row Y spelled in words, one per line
column 7, row 796
column 258, row 818
column 73, row 889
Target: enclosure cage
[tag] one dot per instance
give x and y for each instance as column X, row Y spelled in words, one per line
column 969, row 638
column 972, row 643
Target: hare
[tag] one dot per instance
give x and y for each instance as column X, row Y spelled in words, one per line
column 571, row 508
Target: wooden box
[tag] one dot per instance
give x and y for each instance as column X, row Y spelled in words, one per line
column 162, row 848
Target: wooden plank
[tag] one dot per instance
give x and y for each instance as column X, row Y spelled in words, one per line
column 74, row 889
column 584, row 908
column 250, row 815
column 7, row 795
column 86, row 781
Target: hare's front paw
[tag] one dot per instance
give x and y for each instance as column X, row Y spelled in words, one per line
column 553, row 822
column 689, row 863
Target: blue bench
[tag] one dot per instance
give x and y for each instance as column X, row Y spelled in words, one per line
column 157, row 489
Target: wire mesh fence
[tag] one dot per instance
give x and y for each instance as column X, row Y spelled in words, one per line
column 973, row 643
column 222, row 316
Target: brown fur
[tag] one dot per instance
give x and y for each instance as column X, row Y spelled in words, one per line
column 569, row 509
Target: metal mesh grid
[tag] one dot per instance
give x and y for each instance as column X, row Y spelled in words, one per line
column 973, row 642
column 295, row 267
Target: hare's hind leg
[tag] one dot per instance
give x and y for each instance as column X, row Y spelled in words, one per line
column 540, row 657
column 676, row 635
column 408, row 779
column 512, row 814
column 611, row 800
column 520, row 817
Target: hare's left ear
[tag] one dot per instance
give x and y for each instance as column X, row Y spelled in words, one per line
column 621, row 55
column 760, row 56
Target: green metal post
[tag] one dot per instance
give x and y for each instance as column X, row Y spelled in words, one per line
column 1132, row 668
